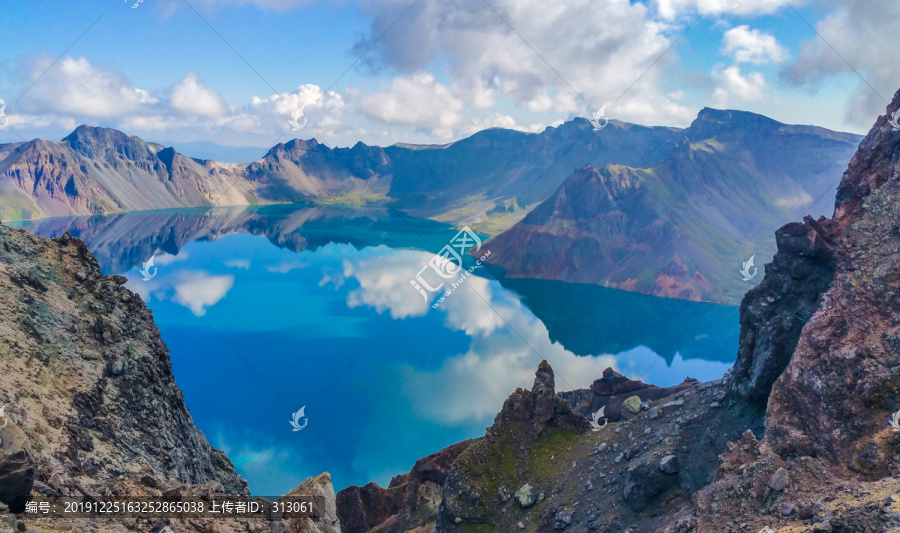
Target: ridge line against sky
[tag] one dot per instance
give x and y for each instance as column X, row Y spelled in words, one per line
column 446, row 70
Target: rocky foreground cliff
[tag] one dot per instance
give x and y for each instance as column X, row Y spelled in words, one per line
column 90, row 408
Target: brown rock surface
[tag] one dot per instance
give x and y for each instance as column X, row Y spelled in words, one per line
column 773, row 313
column 87, row 378
column 837, row 394
column 91, row 409
column 409, row 504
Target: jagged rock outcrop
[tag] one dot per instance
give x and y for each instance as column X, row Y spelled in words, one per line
column 539, row 410
column 324, row 516
column 774, row 313
column 612, row 389
column 409, row 504
column 541, row 466
column 16, row 465
column 87, row 379
column 838, row 392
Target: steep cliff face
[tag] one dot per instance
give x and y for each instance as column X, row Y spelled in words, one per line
column 87, row 384
column 774, row 313
column 90, row 410
column 838, row 392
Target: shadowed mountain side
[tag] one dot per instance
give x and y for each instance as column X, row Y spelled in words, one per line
column 591, row 320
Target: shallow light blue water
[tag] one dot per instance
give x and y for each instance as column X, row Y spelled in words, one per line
column 266, row 310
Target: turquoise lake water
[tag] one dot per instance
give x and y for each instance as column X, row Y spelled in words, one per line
column 269, row 309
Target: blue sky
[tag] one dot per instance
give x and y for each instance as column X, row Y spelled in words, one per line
column 234, row 71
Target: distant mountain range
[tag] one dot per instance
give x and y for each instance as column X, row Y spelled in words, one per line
column 658, row 210
column 496, row 171
column 683, row 227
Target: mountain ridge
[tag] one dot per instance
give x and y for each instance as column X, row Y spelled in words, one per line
column 682, row 228
column 97, row 170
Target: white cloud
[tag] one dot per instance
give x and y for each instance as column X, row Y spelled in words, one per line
column 604, row 51
column 75, row 87
column 732, row 86
column 384, row 283
column 752, row 46
column 168, row 259
column 417, row 99
column 670, row 9
column 243, row 264
column 200, row 290
column 191, row 97
column 855, row 36
column 286, row 266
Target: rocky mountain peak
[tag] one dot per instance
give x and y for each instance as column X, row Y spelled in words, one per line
column 108, row 144
column 533, row 412
column 712, row 122
column 873, row 164
column 614, row 383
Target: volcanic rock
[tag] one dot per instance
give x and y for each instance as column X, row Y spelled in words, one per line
column 613, row 389
column 842, row 384
column 410, row 501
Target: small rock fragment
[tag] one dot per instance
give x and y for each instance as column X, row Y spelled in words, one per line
column 632, row 405
column 563, row 519
column 525, row 496
column 779, row 480
column 669, row 464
